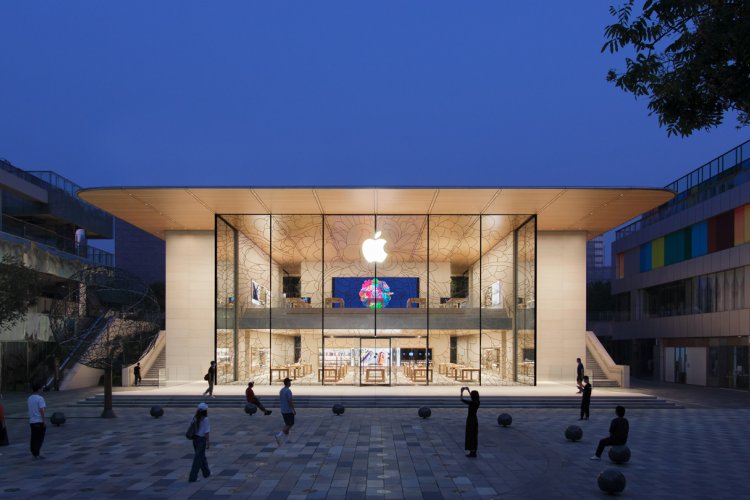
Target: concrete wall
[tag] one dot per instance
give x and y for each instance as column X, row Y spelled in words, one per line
column 561, row 304
column 190, row 304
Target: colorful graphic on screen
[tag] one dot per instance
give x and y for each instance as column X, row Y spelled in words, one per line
column 375, row 294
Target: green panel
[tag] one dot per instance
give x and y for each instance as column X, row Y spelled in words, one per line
column 674, row 248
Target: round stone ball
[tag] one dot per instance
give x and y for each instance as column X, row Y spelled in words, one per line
column 250, row 409
column 619, row 454
column 611, row 481
column 156, row 411
column 573, row 433
column 424, row 412
column 504, row 419
column 57, row 418
column 338, row 409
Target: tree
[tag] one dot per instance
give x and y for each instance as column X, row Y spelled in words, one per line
column 19, row 289
column 105, row 317
column 692, row 60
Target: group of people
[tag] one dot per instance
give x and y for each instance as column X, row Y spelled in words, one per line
column 203, row 425
column 618, row 428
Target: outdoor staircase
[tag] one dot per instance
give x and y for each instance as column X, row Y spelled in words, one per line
column 596, row 374
column 133, row 400
column 151, row 378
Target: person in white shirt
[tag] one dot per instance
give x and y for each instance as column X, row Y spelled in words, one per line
column 36, row 421
column 200, row 443
column 286, row 405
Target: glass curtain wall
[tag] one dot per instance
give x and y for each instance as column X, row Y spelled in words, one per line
column 525, row 304
column 452, row 303
column 454, row 314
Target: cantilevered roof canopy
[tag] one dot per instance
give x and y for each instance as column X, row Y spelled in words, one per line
column 594, row 210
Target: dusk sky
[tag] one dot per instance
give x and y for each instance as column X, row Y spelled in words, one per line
column 394, row 93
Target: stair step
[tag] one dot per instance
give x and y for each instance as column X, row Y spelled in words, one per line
column 630, row 402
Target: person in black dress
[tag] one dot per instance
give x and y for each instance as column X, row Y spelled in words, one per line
column 585, row 399
column 472, row 424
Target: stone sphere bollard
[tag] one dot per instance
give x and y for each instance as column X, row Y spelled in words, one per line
column 611, row 481
column 156, row 411
column 250, row 409
column 619, row 454
column 504, row 419
column 338, row 409
column 57, row 418
column 573, row 433
column 424, row 412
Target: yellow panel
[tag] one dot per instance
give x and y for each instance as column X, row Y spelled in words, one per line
column 657, row 253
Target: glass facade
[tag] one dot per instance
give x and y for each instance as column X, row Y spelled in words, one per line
column 453, row 302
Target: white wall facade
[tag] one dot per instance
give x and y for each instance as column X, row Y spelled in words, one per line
column 190, row 307
column 561, row 304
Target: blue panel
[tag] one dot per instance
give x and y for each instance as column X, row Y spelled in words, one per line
column 401, row 288
column 699, row 239
column 646, row 257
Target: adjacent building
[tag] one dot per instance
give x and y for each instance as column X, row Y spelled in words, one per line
column 46, row 225
column 682, row 282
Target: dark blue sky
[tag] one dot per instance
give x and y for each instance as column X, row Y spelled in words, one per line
column 328, row 93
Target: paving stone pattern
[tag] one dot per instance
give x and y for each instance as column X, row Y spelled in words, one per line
column 379, row 453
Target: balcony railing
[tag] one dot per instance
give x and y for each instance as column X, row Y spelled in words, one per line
column 44, row 236
column 715, row 177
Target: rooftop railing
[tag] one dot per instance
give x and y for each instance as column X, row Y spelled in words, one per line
column 56, row 180
column 712, row 179
column 41, row 235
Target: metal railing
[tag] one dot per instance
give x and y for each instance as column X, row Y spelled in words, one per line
column 41, row 235
column 712, row 179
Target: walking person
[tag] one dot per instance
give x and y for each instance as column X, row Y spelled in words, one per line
column 471, row 438
column 618, row 433
column 252, row 398
column 36, row 407
column 585, row 399
column 579, row 375
column 286, row 405
column 200, row 443
column 137, row 373
column 210, row 377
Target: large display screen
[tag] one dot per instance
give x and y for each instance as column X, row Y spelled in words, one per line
column 380, row 292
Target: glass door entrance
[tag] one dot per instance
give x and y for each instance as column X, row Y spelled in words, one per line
column 376, row 360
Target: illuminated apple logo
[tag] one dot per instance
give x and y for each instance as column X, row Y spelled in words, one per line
column 374, row 249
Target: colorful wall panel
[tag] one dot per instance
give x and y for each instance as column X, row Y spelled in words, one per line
column 646, row 257
column 699, row 239
column 657, row 253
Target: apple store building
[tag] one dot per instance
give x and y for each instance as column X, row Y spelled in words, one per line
column 375, row 286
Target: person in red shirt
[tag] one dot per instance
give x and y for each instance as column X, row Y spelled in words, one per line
column 252, row 398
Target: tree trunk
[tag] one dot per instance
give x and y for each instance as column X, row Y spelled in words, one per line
column 108, row 411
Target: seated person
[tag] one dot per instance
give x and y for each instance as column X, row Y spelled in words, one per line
column 618, row 433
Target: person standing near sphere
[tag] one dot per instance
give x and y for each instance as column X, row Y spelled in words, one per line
column 472, row 424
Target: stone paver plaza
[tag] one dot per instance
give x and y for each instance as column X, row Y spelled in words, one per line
column 377, row 453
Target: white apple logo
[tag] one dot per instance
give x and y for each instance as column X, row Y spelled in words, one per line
column 374, row 249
